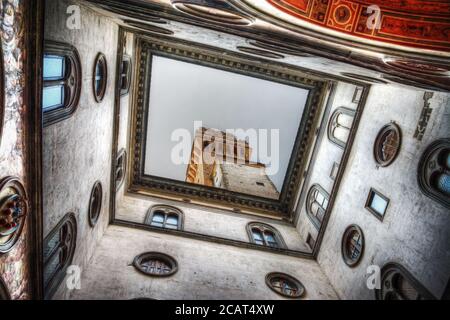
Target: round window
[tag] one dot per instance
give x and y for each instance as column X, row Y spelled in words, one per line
column 100, row 77
column 285, row 285
column 352, row 245
column 156, row 264
column 95, row 203
column 387, row 144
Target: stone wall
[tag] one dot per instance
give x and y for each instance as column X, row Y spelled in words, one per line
column 245, row 178
column 77, row 151
column 207, row 221
column 214, row 272
column 15, row 265
column 414, row 232
column 328, row 153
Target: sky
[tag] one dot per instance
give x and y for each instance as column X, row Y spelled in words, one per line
column 182, row 93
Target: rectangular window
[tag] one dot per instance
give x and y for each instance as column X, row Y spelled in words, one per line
column 310, row 241
column 357, row 94
column 53, row 97
column 334, row 171
column 53, row 67
column 125, row 75
column 377, row 204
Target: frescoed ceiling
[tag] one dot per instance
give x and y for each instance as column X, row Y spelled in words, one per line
column 413, row 23
column 411, row 47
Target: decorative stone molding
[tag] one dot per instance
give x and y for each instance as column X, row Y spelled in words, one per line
column 13, row 212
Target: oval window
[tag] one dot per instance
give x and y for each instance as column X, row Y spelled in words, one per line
column 285, row 285
column 156, row 264
column 95, row 203
column 387, row 145
column 352, row 245
column 100, row 77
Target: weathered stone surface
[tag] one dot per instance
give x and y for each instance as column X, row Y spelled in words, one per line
column 77, row 151
column 415, row 231
column 212, row 272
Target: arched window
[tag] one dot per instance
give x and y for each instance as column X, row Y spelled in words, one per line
column 156, row 264
column 59, row 248
column 434, row 171
column 62, row 81
column 316, row 204
column 264, row 235
column 398, row 284
column 100, row 77
column 340, row 124
column 285, row 285
column 166, row 217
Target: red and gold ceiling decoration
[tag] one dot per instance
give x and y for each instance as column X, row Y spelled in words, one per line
column 414, row 23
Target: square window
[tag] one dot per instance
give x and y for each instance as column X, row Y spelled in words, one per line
column 377, row 204
column 334, row 171
column 310, row 241
column 357, row 95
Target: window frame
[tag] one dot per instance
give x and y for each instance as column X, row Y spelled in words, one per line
column 157, row 256
column 379, row 216
column 262, row 228
column 121, row 165
column 312, row 217
column 334, row 170
column 127, row 59
column 72, row 79
column 393, row 127
column 332, row 127
column 167, row 210
column 310, row 241
column 345, row 238
column 300, row 287
column 281, row 208
column 99, row 59
column 95, row 203
column 59, row 274
column 422, row 177
column 396, row 267
column 357, row 94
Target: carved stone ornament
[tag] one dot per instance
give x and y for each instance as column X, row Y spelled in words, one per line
column 13, row 212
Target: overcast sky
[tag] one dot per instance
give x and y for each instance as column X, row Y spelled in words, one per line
column 182, row 93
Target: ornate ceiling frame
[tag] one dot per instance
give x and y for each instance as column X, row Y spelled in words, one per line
column 237, row 63
column 303, row 41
